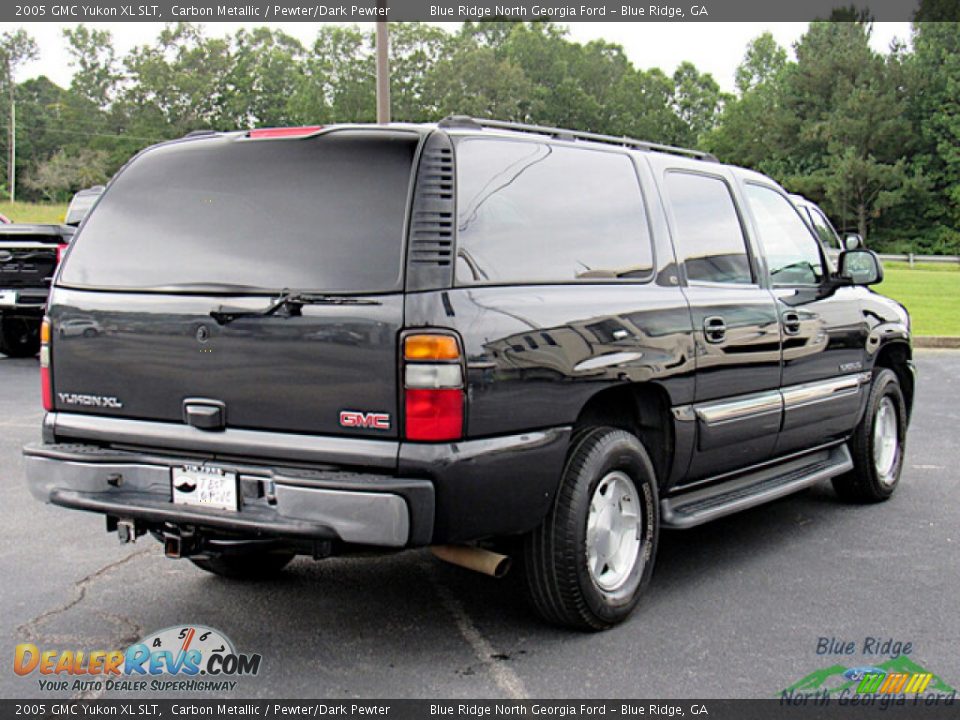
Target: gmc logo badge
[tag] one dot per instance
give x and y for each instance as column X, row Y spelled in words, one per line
column 357, row 419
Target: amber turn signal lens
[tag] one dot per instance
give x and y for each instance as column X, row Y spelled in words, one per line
column 45, row 331
column 430, row 347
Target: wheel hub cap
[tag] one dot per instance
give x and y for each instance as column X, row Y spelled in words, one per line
column 886, row 441
column 614, row 531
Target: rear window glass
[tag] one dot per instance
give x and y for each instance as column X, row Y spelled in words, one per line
column 324, row 213
column 533, row 212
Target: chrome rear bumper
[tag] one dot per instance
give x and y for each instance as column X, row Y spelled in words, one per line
column 355, row 508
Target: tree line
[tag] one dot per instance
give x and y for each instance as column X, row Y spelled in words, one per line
column 874, row 137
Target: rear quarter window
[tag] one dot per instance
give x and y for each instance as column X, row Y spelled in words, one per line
column 535, row 212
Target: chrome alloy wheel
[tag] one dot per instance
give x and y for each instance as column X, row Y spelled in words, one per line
column 614, row 531
column 886, row 441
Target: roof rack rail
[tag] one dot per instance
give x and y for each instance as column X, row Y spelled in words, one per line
column 466, row 121
column 200, row 133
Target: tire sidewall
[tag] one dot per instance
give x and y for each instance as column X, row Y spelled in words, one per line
column 885, row 385
column 621, row 451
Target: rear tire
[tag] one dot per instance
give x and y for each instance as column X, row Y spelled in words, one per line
column 877, row 444
column 593, row 555
column 246, row 566
column 19, row 338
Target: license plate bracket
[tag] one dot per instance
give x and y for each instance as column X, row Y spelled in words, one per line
column 201, row 486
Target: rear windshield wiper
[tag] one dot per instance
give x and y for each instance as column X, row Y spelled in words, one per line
column 291, row 301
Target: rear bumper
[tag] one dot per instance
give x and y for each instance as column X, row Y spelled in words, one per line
column 450, row 492
column 30, row 302
column 355, row 508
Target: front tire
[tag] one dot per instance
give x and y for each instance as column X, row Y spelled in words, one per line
column 19, row 338
column 246, row 566
column 877, row 444
column 593, row 555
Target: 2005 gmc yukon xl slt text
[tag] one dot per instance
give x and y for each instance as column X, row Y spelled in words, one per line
column 471, row 335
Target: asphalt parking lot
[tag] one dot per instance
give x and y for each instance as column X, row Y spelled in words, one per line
column 737, row 607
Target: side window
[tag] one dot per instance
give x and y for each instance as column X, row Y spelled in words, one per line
column 828, row 236
column 792, row 253
column 709, row 237
column 532, row 212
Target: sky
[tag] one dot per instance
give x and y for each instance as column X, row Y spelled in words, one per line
column 716, row 48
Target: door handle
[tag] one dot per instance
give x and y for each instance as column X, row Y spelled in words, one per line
column 791, row 322
column 714, row 329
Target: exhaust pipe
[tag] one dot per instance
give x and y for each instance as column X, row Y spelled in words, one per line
column 474, row 558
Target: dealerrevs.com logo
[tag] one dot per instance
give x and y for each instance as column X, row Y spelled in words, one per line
column 186, row 658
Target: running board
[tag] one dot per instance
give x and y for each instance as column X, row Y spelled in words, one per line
column 699, row 506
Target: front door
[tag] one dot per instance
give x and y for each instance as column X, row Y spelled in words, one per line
column 824, row 332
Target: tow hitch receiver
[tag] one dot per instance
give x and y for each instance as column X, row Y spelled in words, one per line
column 128, row 530
column 180, row 544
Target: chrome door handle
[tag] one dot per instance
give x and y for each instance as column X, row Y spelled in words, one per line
column 791, row 322
column 714, row 329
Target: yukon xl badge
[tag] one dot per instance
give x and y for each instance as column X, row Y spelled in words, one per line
column 104, row 401
column 370, row 420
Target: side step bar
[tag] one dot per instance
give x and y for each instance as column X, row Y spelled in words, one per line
column 699, row 506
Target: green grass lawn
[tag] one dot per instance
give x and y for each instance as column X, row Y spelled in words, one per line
column 24, row 212
column 931, row 292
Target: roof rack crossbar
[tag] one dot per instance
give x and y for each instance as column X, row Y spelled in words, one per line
column 563, row 134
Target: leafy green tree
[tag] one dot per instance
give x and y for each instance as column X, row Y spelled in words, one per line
column 42, row 123
column 763, row 64
column 95, row 67
column 63, row 174
column 415, row 49
column 697, row 100
column 16, row 48
column 641, row 107
column 265, row 71
column 474, row 81
column 934, row 79
column 754, row 128
column 179, row 83
column 853, row 117
column 339, row 78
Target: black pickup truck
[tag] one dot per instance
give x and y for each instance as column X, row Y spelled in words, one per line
column 28, row 258
column 488, row 338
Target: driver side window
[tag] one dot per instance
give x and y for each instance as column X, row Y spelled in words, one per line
column 792, row 252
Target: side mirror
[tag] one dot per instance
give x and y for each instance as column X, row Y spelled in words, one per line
column 852, row 241
column 860, row 266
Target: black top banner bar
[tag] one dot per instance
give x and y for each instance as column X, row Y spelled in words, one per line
column 814, row 708
column 256, row 11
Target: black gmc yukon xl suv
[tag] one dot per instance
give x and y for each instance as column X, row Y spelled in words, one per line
column 470, row 335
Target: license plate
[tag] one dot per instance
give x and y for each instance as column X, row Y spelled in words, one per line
column 8, row 298
column 205, row 487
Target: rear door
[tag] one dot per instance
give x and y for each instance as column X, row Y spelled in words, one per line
column 228, row 224
column 737, row 404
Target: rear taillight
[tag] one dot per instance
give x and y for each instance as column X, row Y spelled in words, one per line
column 46, row 384
column 432, row 387
column 61, row 249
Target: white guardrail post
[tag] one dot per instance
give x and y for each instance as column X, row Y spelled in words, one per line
column 911, row 258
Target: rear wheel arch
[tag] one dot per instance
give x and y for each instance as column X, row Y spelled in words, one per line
column 642, row 409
